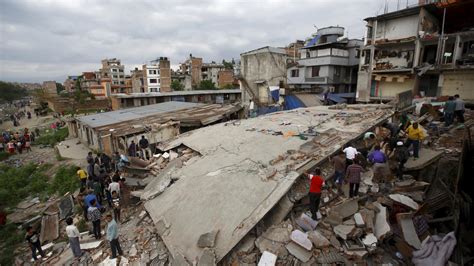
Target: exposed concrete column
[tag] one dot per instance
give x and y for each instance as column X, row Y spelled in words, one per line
column 457, row 50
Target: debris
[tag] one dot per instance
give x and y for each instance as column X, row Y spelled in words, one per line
column 318, row 239
column 407, row 201
column 306, row 222
column 381, row 225
column 49, row 228
column 435, row 250
column 328, row 257
column 343, row 231
column 298, row 251
column 207, row 240
column 267, row 259
column 274, row 239
column 408, row 229
column 346, row 209
column 133, row 251
column 370, row 241
column 359, row 221
column 66, row 207
column 208, row 257
column 301, row 239
column 91, row 245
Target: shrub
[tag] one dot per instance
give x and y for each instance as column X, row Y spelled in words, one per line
column 65, row 180
column 11, row 237
column 53, row 137
column 4, row 155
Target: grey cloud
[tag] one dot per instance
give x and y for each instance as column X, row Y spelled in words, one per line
column 56, row 38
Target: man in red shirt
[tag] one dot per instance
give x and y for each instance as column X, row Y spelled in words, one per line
column 317, row 183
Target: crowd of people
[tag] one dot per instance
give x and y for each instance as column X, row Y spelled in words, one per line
column 402, row 140
column 17, row 142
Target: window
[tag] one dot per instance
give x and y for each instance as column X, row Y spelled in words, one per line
column 295, row 73
column 114, row 70
column 121, row 76
column 315, row 71
column 114, row 76
column 115, row 82
column 153, row 89
column 337, row 70
column 122, row 82
column 153, row 81
column 152, row 71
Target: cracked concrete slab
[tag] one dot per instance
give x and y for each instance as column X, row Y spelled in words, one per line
column 227, row 187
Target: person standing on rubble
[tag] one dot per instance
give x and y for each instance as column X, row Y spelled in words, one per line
column 94, row 216
column 351, row 153
column 113, row 237
column 415, row 135
column 449, row 109
column 315, row 187
column 402, row 155
column 144, row 144
column 339, row 162
column 73, row 233
column 33, row 239
column 378, row 159
column 460, row 109
column 132, row 149
column 353, row 174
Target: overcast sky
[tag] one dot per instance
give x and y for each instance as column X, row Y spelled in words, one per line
column 50, row 39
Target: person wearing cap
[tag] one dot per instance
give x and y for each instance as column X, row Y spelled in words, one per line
column 401, row 155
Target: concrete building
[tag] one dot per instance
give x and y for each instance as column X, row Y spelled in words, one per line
column 193, row 71
column 225, row 78
column 157, row 76
column 70, row 83
column 328, row 62
column 192, row 67
column 413, row 50
column 120, row 101
column 91, row 82
column 138, row 83
column 210, row 71
column 113, row 131
column 50, row 87
column 261, row 69
column 113, row 71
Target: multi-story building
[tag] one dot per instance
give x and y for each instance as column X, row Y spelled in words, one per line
column 138, row 83
column 327, row 62
column 193, row 71
column 192, row 67
column 70, row 83
column 157, row 76
column 112, row 69
column 91, row 82
column 428, row 49
column 50, row 87
column 261, row 70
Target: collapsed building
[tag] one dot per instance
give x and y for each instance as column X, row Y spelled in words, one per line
column 426, row 49
column 113, row 131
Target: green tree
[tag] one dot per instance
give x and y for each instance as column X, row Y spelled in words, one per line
column 206, row 85
column 176, row 85
column 10, row 92
column 228, row 65
column 59, row 87
column 228, row 87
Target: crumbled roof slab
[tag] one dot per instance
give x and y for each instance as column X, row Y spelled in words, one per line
column 229, row 189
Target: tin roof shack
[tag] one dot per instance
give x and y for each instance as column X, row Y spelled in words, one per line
column 114, row 131
column 244, row 171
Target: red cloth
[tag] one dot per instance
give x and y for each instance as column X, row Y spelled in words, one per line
column 316, row 184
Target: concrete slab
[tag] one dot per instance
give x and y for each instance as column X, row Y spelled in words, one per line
column 306, row 222
column 299, row 252
column 427, row 157
column 49, row 228
column 227, row 188
column 267, row 259
column 91, row 245
column 405, row 220
column 381, row 227
column 405, row 200
column 72, row 149
column 301, row 239
column 66, row 207
column 346, row 208
column 343, row 230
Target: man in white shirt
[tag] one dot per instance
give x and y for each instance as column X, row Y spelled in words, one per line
column 351, row 153
column 459, row 109
column 73, row 234
column 114, row 186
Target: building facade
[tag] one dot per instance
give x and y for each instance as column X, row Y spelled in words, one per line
column 261, row 69
column 157, row 76
column 113, row 70
column 427, row 49
column 327, row 62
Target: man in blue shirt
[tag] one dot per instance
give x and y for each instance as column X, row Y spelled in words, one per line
column 378, row 158
column 113, row 237
column 88, row 199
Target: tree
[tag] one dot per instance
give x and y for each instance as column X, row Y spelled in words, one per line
column 206, row 85
column 59, row 87
column 176, row 85
column 228, row 65
column 10, row 92
column 228, row 87
column 77, row 85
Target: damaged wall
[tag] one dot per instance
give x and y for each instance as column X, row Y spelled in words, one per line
column 461, row 83
column 398, row 28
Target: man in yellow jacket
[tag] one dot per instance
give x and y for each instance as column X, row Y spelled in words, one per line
column 415, row 135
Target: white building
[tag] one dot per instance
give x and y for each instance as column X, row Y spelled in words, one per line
column 152, row 77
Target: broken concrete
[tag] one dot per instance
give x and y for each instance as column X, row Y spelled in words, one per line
column 49, row 228
column 207, row 240
column 381, row 227
column 407, row 201
column 343, row 231
column 207, row 258
column 274, row 239
column 346, row 208
column 359, row 220
column 66, row 207
column 267, row 259
column 306, row 222
column 318, row 239
column 427, row 157
column 301, row 239
column 298, row 251
column 405, row 220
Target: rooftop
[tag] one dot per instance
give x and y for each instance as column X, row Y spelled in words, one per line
column 266, row 49
column 174, row 93
column 114, row 117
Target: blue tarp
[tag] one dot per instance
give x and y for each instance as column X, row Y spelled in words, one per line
column 313, row 41
column 340, row 97
column 267, row 110
column 292, row 102
column 275, row 94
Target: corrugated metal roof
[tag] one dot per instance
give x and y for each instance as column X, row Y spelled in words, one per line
column 174, row 93
column 109, row 118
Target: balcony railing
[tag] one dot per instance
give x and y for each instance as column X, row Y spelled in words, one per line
column 320, row 80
